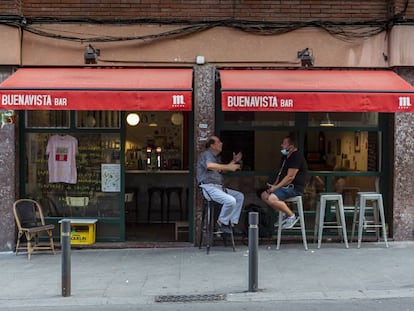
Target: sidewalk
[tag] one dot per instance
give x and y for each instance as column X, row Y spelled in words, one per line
column 138, row 276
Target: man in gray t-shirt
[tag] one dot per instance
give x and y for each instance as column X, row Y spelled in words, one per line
column 209, row 177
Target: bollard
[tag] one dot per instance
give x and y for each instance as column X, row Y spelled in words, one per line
column 253, row 250
column 65, row 243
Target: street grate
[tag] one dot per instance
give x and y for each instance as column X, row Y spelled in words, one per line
column 190, row 298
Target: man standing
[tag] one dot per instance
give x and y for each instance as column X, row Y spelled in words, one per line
column 210, row 178
column 290, row 182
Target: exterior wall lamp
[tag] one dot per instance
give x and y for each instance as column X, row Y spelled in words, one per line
column 91, row 54
column 306, row 57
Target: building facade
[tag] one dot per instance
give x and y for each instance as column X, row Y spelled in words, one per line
column 208, row 39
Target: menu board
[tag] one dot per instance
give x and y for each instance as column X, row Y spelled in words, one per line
column 111, row 177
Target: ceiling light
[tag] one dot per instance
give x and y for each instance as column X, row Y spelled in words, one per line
column 327, row 122
column 132, row 119
column 153, row 120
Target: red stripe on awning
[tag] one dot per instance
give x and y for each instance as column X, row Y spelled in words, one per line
column 315, row 90
column 97, row 89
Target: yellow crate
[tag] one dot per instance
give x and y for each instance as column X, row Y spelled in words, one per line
column 82, row 231
column 82, row 234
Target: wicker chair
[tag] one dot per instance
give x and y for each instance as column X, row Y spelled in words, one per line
column 30, row 222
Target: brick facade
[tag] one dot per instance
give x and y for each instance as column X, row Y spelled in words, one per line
column 268, row 10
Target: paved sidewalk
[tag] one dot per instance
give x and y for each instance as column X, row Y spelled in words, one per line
column 138, row 276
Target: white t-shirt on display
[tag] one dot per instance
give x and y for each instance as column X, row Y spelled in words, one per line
column 62, row 152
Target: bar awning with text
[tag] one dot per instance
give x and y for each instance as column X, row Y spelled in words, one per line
column 315, row 90
column 98, row 89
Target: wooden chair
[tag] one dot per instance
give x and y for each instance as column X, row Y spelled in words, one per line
column 30, row 222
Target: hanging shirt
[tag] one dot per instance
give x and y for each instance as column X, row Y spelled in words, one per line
column 62, row 152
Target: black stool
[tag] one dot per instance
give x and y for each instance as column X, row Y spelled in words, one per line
column 151, row 192
column 178, row 191
column 207, row 222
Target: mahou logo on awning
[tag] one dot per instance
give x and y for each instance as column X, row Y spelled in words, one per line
column 404, row 102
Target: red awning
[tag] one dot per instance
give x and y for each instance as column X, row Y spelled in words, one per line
column 97, row 89
column 315, row 90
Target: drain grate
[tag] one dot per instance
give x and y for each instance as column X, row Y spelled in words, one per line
column 190, row 298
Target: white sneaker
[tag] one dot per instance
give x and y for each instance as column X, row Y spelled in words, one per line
column 290, row 222
column 284, row 218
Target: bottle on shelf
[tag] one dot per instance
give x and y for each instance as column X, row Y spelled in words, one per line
column 140, row 164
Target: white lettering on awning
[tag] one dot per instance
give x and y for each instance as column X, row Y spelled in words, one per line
column 26, row 100
column 252, row 101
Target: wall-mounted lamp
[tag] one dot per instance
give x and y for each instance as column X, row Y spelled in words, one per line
column 306, row 57
column 327, row 122
column 91, row 55
column 153, row 120
column 200, row 60
column 132, row 119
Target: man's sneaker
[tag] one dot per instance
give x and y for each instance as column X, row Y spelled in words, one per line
column 290, row 222
column 284, row 218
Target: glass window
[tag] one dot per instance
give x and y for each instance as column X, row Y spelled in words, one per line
column 343, row 119
column 97, row 119
column 259, row 118
column 261, row 149
column 47, row 119
column 158, row 141
column 92, row 193
column 342, row 150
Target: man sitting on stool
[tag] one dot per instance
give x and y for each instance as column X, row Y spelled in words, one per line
column 290, row 182
column 210, row 178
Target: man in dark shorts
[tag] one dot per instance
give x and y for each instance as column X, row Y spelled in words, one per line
column 290, row 182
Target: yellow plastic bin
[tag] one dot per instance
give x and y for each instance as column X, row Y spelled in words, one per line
column 82, row 231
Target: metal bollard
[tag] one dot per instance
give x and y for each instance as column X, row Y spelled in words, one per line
column 253, row 250
column 66, row 269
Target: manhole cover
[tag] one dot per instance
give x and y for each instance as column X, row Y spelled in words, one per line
column 190, row 298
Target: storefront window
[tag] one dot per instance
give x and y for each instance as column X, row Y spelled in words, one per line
column 259, row 118
column 89, row 188
column 47, row 119
column 97, row 119
column 342, row 150
column 157, row 141
column 343, row 119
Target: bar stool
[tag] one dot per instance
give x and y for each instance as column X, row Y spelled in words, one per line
column 178, row 191
column 361, row 208
column 207, row 222
column 131, row 196
column 298, row 201
column 152, row 191
column 320, row 222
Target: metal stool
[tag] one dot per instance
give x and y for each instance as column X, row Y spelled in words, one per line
column 131, row 196
column 207, row 222
column 298, row 201
column 181, row 227
column 320, row 222
column 178, row 191
column 151, row 192
column 361, row 208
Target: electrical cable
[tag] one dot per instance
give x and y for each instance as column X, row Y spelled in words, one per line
column 345, row 31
